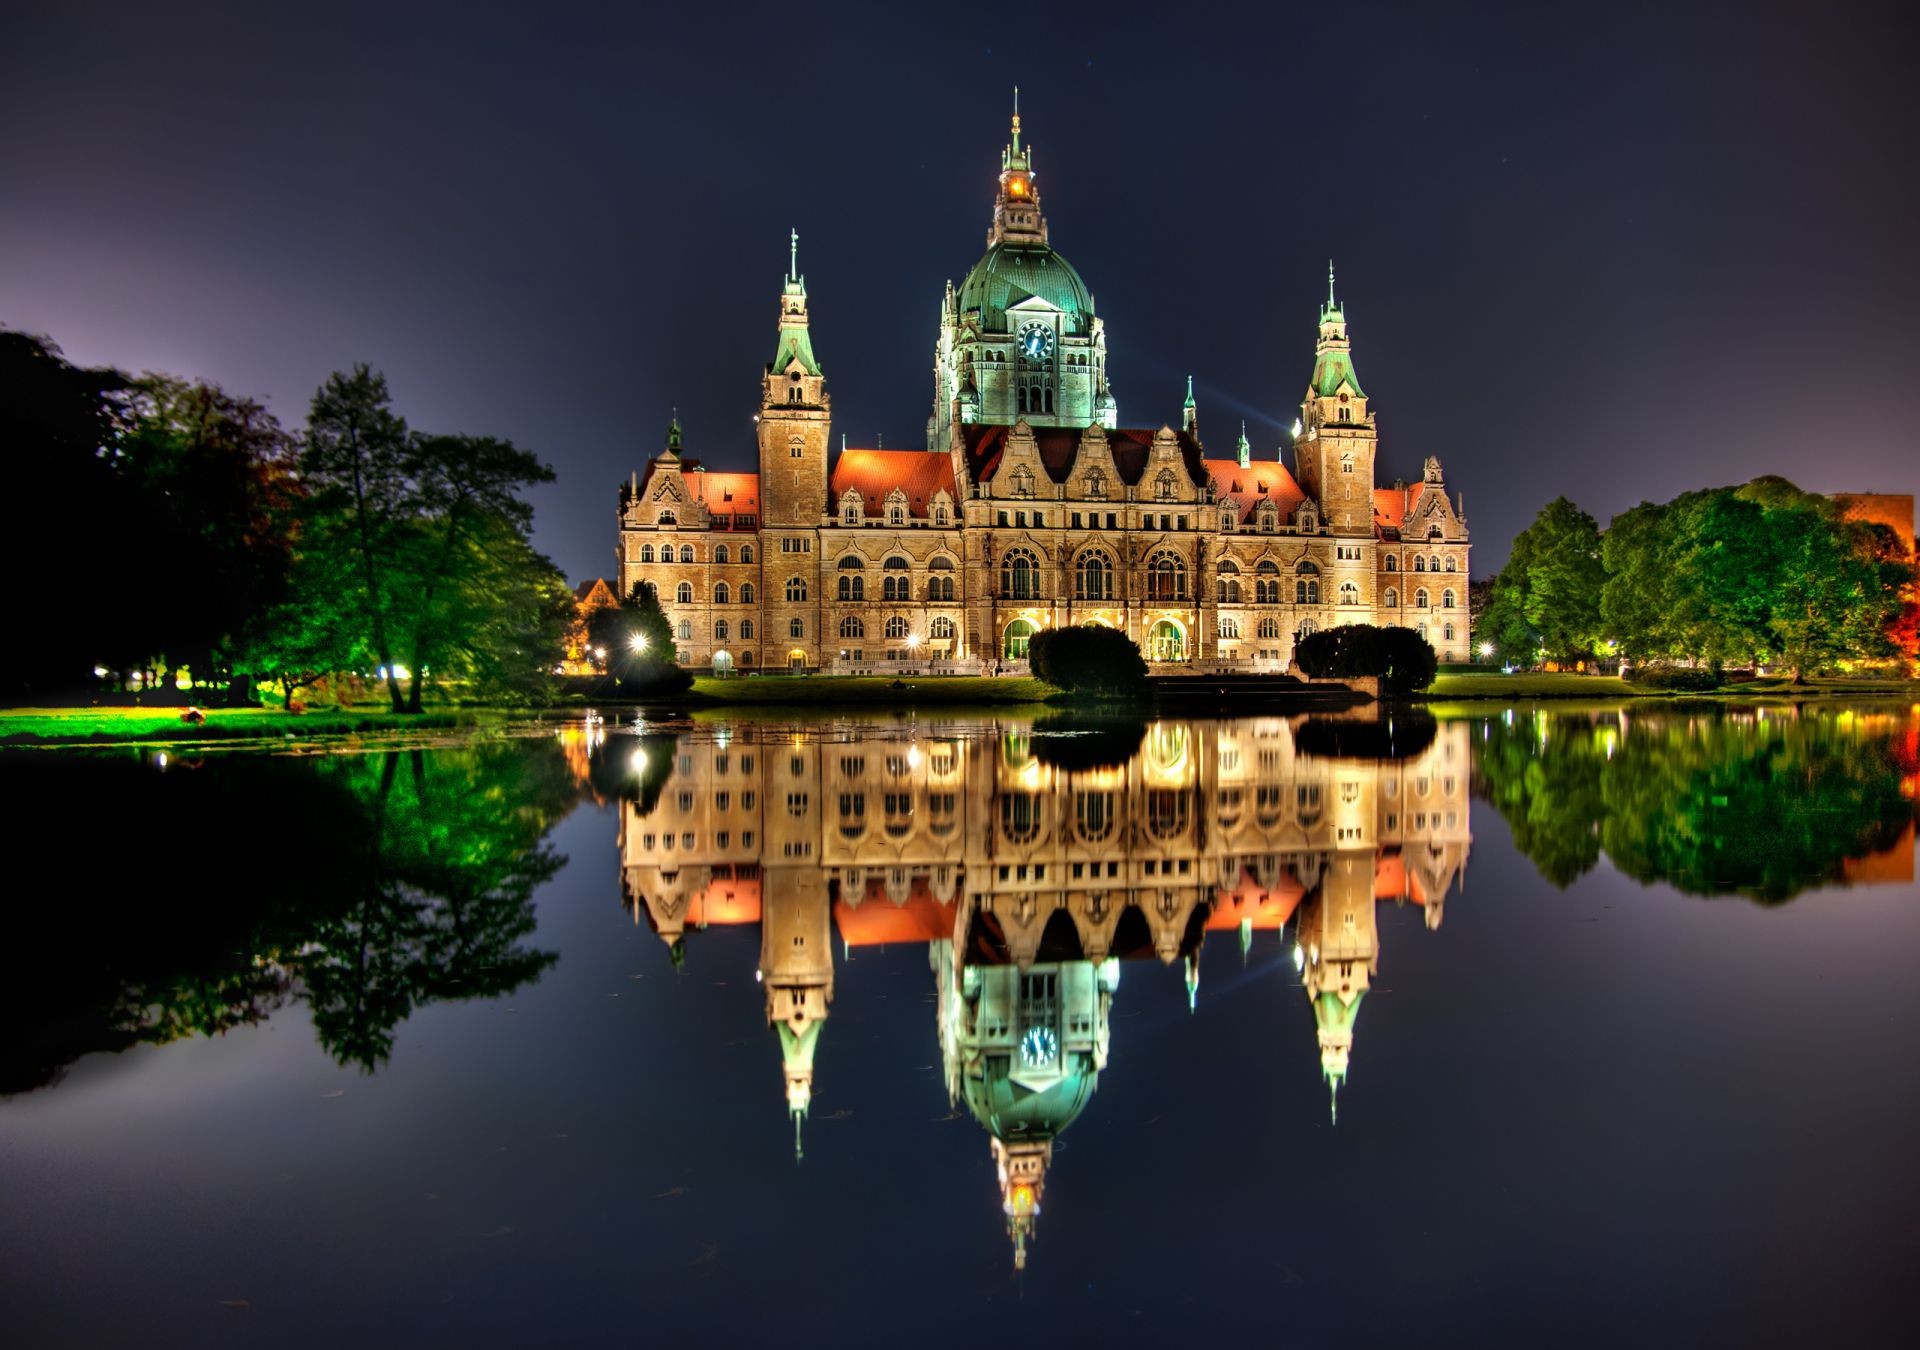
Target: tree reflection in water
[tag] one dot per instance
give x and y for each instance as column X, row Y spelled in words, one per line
column 1764, row 803
column 193, row 898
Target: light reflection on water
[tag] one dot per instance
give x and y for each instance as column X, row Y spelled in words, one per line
column 1034, row 904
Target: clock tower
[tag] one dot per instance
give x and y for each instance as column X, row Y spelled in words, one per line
column 1336, row 445
column 794, row 416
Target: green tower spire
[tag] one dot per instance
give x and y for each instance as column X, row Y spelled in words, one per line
column 1244, row 452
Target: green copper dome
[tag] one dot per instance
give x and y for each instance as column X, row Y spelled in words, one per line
column 1011, row 1111
column 1009, row 273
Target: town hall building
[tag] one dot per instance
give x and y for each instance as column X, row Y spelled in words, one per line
column 1035, row 506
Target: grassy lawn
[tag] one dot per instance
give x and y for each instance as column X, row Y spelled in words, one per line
column 106, row 726
column 867, row 690
column 1562, row 684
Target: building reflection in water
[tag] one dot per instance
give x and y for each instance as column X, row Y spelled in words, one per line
column 1033, row 863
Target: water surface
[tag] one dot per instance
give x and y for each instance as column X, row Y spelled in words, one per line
column 1585, row 1027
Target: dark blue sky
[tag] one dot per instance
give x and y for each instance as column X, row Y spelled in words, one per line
column 1610, row 252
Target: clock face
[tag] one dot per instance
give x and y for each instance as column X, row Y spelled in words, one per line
column 1036, row 342
column 1039, row 1046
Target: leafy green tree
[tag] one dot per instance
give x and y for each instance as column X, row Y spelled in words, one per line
column 638, row 639
column 210, row 473
column 1549, row 591
column 354, row 465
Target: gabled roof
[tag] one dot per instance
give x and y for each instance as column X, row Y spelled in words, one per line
column 1390, row 506
column 724, row 493
column 875, row 473
column 985, row 444
column 587, row 589
column 1264, row 479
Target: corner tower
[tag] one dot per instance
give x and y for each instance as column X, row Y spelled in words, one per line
column 1019, row 338
column 1335, row 450
column 794, row 415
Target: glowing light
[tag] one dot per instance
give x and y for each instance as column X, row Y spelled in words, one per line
column 1296, row 428
column 913, row 757
column 1299, row 959
column 638, row 642
column 599, row 653
column 1486, row 649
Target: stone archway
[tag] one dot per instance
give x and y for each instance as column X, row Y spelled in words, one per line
column 1166, row 642
column 1015, row 638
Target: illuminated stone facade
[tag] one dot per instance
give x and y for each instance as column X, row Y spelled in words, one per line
column 1034, row 507
column 1031, row 883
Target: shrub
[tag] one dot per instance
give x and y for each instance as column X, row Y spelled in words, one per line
column 1403, row 660
column 1676, row 679
column 1088, row 660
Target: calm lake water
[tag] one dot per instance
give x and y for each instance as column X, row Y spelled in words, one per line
column 1590, row 1028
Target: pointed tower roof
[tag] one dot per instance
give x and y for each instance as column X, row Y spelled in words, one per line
column 1332, row 356
column 795, row 342
column 1243, row 452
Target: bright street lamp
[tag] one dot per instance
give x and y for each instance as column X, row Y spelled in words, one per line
column 1486, row 649
column 638, row 642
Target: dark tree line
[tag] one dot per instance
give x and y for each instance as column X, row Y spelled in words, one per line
column 1762, row 573
column 224, row 544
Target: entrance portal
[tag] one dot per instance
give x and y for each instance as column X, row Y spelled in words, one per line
column 1165, row 642
column 1019, row 633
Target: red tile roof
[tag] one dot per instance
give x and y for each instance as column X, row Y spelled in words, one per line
column 1263, row 478
column 1058, row 446
column 725, row 493
column 875, row 473
column 1390, row 506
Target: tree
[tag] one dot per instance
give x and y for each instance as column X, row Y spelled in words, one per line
column 355, row 468
column 1402, row 660
column 209, row 476
column 638, row 640
column 1091, row 659
column 1548, row 594
column 57, row 423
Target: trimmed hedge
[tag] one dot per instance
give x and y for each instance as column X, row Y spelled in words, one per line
column 1088, row 660
column 1674, row 679
column 1403, row 660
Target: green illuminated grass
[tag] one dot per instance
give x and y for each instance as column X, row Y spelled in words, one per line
column 867, row 690
column 109, row 726
column 1562, row 684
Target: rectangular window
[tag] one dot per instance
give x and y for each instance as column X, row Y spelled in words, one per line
column 1076, row 520
column 1003, row 519
column 1039, row 520
column 1020, row 519
column 1112, row 521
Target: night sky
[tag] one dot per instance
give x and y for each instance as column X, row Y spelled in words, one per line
column 1613, row 254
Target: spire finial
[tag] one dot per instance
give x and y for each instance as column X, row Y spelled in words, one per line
column 1189, row 402
column 1016, row 119
column 793, row 256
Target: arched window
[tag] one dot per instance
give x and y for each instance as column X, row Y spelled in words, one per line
column 940, row 588
column 1306, row 592
column 850, row 563
column 720, row 553
column 1163, row 485
column 668, row 518
column 896, row 627
column 1268, row 516
column 940, row 514
column 1018, row 634
column 852, row 587
column 1433, row 564
column 720, row 630
column 897, row 563
column 1227, row 517
column 1393, row 563
column 1269, row 627
column 683, row 593
column 1093, row 577
column 746, row 630
column 896, row 508
column 1421, row 600
column 851, row 627
column 1446, row 599
column 1450, row 564
column 942, row 628
column 796, row 588
column 1229, row 628
column 1019, row 576
column 1227, row 585
column 684, row 630
column 1446, row 631
column 1167, row 578
column 850, row 510
column 686, row 553
column 746, row 593
column 646, row 553
column 1306, row 568
column 1419, row 563
column 1349, row 593
column 1391, row 598
column 796, row 628
column 1306, row 627
column 895, row 588
column 746, row 553
column 721, row 593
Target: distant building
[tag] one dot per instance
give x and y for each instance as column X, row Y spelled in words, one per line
column 588, row 597
column 1034, row 506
